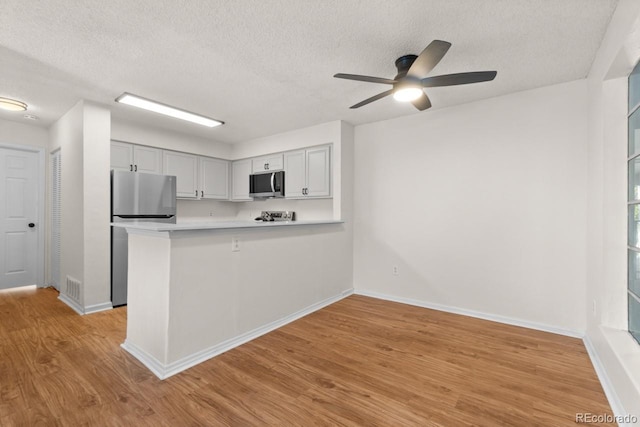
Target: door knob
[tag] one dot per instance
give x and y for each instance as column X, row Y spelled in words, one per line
column 31, row 225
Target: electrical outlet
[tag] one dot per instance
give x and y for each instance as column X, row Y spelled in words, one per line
column 395, row 270
column 235, row 244
column 210, row 213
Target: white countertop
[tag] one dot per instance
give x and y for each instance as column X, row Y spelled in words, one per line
column 214, row 225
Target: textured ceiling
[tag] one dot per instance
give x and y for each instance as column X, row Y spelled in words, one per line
column 266, row 66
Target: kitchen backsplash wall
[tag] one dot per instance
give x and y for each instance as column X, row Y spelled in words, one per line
column 306, row 210
column 213, row 210
column 205, row 210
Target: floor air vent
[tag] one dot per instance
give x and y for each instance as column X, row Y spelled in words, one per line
column 73, row 288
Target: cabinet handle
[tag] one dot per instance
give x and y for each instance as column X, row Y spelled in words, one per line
column 196, row 193
column 130, row 168
column 201, row 193
column 136, row 168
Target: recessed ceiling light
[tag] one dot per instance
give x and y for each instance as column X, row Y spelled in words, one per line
column 12, row 105
column 30, row 117
column 167, row 110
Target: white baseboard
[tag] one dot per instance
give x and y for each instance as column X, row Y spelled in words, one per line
column 472, row 313
column 71, row 303
column 84, row 310
column 607, row 385
column 98, row 307
column 146, row 359
column 164, row 371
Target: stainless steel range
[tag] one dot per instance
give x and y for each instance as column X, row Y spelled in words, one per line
column 277, row 216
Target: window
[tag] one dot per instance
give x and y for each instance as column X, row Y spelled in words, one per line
column 633, row 204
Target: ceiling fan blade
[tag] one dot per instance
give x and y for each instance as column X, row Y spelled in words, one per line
column 373, row 98
column 365, row 78
column 422, row 103
column 459, row 78
column 428, row 59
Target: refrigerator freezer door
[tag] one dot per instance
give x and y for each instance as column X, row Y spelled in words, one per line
column 135, row 193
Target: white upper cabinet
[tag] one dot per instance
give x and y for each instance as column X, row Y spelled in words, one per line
column 240, row 171
column 214, row 178
column 294, row 174
column 272, row 162
column 185, row 168
column 121, row 156
column 308, row 173
column 147, row 159
column 135, row 158
column 318, row 172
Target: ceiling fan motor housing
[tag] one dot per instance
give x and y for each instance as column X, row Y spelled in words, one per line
column 403, row 64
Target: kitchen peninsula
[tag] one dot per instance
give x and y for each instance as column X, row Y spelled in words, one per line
column 199, row 289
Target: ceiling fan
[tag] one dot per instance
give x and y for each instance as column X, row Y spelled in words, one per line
column 412, row 78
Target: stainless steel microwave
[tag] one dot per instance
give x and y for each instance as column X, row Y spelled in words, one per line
column 266, row 184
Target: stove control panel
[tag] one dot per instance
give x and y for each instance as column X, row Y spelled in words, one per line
column 278, row 216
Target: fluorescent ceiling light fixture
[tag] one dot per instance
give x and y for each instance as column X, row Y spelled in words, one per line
column 12, row 105
column 167, row 110
column 407, row 94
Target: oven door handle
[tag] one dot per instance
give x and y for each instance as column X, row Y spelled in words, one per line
column 273, row 188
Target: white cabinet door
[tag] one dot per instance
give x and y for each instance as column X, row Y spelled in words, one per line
column 185, row 168
column 307, row 173
column 135, row 158
column 272, row 162
column 121, row 156
column 294, row 174
column 147, row 159
column 240, row 171
column 318, row 172
column 214, row 178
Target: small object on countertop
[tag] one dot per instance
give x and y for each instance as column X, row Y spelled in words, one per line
column 278, row 216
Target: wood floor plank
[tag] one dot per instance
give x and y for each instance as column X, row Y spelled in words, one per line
column 360, row 361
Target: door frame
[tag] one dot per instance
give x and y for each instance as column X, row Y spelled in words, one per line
column 41, row 183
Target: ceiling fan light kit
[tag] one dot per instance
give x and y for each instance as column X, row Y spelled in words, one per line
column 407, row 93
column 12, row 104
column 409, row 83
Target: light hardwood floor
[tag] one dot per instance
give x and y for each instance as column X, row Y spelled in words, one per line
column 360, row 361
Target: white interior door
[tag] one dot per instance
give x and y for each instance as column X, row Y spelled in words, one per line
column 18, row 218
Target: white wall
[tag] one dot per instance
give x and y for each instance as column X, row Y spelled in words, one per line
column 615, row 350
column 96, row 204
column 481, row 206
column 168, row 140
column 83, row 135
column 66, row 134
column 23, row 134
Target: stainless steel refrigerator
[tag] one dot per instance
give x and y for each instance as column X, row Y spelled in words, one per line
column 136, row 197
